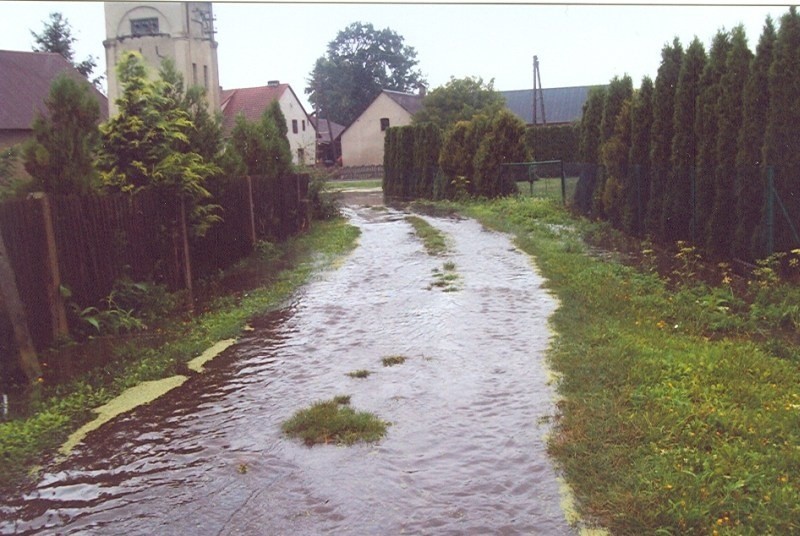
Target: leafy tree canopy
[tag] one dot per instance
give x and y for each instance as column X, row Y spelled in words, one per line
column 359, row 63
column 56, row 36
column 460, row 100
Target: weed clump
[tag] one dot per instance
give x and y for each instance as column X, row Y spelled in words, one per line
column 433, row 239
column 393, row 360
column 334, row 421
column 362, row 373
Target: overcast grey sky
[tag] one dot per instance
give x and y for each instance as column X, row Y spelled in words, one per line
column 576, row 44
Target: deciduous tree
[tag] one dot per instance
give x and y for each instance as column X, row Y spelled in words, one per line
column 460, row 99
column 359, row 63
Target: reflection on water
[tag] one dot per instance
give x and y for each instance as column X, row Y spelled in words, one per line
column 465, row 452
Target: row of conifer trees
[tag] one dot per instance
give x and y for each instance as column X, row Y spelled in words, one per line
column 688, row 157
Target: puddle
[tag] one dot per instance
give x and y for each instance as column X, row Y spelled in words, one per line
column 466, row 452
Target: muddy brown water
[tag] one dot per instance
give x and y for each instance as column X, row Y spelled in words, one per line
column 465, row 453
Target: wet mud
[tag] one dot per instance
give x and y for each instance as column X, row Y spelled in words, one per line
column 465, row 453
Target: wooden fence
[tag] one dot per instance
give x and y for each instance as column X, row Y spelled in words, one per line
column 86, row 243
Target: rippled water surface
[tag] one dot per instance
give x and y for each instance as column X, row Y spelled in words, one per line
column 465, row 453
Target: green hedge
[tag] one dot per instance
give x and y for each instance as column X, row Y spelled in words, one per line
column 410, row 161
column 557, row 142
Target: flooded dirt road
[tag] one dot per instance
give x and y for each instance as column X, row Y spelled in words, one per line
column 465, row 453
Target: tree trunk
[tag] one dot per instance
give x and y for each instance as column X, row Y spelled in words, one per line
column 9, row 298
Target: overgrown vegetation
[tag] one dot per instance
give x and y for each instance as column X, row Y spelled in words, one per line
column 334, row 421
column 63, row 407
column 361, row 373
column 680, row 405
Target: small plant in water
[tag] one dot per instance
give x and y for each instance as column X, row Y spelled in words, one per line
column 342, row 400
column 333, row 421
column 393, row 360
column 362, row 373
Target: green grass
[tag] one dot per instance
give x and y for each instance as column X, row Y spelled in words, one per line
column 661, row 428
column 433, row 239
column 393, row 360
column 64, row 408
column 333, row 421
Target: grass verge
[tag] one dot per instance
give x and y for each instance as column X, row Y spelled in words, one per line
column 433, row 239
column 64, row 408
column 334, row 421
column 662, row 429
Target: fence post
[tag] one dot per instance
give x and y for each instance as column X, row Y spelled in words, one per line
column 9, row 298
column 770, row 211
column 252, row 211
column 187, row 263
column 55, row 302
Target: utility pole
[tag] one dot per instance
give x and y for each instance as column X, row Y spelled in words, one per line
column 537, row 83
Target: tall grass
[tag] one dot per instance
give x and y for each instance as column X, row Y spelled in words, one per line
column 662, row 428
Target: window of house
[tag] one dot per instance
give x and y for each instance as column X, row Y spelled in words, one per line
column 194, row 74
column 301, row 156
column 294, row 126
column 384, row 123
column 147, row 26
column 205, row 76
column 304, row 125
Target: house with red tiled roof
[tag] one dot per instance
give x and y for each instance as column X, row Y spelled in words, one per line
column 362, row 141
column 25, row 80
column 251, row 102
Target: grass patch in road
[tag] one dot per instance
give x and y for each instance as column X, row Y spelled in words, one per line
column 334, row 421
column 393, row 360
column 64, row 408
column 362, row 373
column 446, row 279
column 661, row 429
column 432, row 238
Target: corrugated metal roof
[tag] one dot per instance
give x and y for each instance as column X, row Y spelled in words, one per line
column 561, row 105
column 25, row 80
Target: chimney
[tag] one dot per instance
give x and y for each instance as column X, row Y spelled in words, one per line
column 273, row 83
column 422, row 90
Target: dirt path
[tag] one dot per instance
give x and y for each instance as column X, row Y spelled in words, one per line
column 465, row 453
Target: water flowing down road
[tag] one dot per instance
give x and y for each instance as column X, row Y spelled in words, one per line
column 465, row 453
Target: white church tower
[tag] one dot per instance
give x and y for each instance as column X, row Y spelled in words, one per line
column 183, row 31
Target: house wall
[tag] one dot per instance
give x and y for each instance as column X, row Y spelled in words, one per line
column 362, row 142
column 305, row 138
column 182, row 36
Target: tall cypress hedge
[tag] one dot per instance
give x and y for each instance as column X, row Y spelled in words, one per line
column 706, row 131
column 748, row 188
column 782, row 138
column 637, row 191
column 662, row 132
column 676, row 217
column 719, row 238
